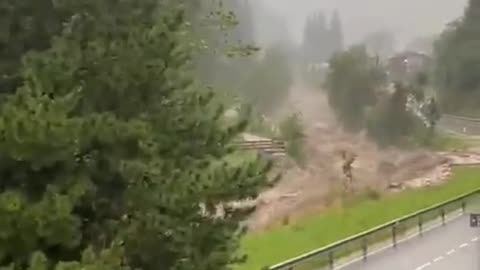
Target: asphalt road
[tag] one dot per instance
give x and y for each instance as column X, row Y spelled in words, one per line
column 455, row 246
column 459, row 126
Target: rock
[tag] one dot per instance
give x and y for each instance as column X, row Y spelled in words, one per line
column 395, row 186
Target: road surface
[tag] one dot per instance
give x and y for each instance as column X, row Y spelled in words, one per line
column 460, row 126
column 455, row 246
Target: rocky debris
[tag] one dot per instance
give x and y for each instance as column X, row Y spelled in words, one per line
column 441, row 173
column 386, row 167
column 463, row 158
column 312, row 189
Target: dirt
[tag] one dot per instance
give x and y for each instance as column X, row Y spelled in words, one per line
column 310, row 190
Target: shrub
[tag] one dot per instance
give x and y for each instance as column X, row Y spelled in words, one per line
column 292, row 131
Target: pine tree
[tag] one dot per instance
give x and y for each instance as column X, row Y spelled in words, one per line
column 336, row 33
column 25, row 26
column 472, row 12
column 111, row 157
column 316, row 35
column 458, row 62
column 352, row 83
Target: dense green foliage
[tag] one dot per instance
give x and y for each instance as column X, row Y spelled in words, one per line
column 457, row 54
column 292, row 132
column 25, row 26
column 362, row 98
column 112, row 157
column 258, row 124
column 389, row 122
column 352, row 83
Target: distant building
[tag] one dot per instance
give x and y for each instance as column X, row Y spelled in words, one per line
column 404, row 66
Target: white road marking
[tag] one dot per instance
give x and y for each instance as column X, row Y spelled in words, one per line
column 423, row 266
column 438, row 259
column 449, row 218
column 475, row 239
column 451, row 251
column 463, row 245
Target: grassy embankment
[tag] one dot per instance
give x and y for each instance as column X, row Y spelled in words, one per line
column 285, row 242
column 448, row 143
column 443, row 142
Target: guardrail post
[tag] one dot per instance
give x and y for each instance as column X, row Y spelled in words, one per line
column 442, row 213
column 365, row 248
column 394, row 235
column 464, row 206
column 330, row 260
column 420, row 225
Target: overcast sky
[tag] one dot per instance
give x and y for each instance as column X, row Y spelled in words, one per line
column 406, row 18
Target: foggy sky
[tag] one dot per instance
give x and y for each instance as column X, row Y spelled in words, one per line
column 406, row 18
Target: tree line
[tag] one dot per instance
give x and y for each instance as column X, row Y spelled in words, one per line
column 457, row 63
column 322, row 39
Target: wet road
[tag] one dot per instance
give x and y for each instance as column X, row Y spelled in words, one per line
column 455, row 246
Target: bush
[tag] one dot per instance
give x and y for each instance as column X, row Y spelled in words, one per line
column 292, row 131
column 389, row 122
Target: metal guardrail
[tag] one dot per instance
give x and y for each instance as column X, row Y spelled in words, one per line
column 460, row 125
column 325, row 256
column 463, row 118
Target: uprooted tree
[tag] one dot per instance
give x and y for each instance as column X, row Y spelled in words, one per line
column 348, row 158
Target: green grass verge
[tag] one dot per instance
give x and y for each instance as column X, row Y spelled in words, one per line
column 313, row 232
column 443, row 142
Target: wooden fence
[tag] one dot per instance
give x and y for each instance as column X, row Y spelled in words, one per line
column 267, row 146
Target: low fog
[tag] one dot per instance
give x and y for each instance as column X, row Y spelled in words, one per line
column 406, row 19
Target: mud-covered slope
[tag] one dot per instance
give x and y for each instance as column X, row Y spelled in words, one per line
column 305, row 191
